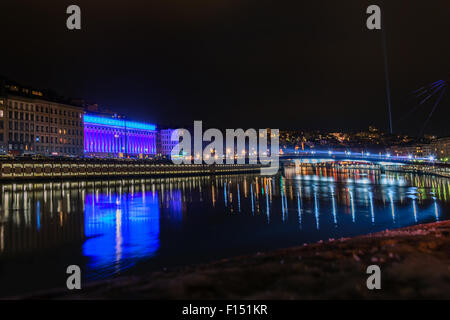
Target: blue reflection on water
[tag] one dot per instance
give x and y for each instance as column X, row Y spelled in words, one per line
column 121, row 229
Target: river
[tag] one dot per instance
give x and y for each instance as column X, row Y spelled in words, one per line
column 127, row 227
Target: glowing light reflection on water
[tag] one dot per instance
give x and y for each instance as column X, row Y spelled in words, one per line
column 129, row 226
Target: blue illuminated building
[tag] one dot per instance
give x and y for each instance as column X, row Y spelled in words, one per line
column 112, row 137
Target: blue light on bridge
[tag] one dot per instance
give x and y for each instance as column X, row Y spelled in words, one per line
column 363, row 155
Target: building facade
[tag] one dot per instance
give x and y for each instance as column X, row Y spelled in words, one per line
column 112, row 137
column 32, row 124
column 439, row 149
column 166, row 144
column 442, row 149
column 414, row 151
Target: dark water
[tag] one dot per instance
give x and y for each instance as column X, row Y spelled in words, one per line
column 110, row 228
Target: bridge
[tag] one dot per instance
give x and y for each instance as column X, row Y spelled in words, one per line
column 367, row 161
column 322, row 156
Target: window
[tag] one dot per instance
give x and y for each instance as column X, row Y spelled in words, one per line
column 1, row 113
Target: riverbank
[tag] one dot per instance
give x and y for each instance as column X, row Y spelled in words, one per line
column 84, row 168
column 414, row 262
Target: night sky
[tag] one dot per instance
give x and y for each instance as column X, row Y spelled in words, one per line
column 234, row 63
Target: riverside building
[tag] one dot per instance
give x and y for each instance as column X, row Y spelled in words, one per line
column 31, row 122
column 165, row 142
column 110, row 137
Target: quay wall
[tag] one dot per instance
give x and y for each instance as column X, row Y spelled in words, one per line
column 441, row 171
column 66, row 169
